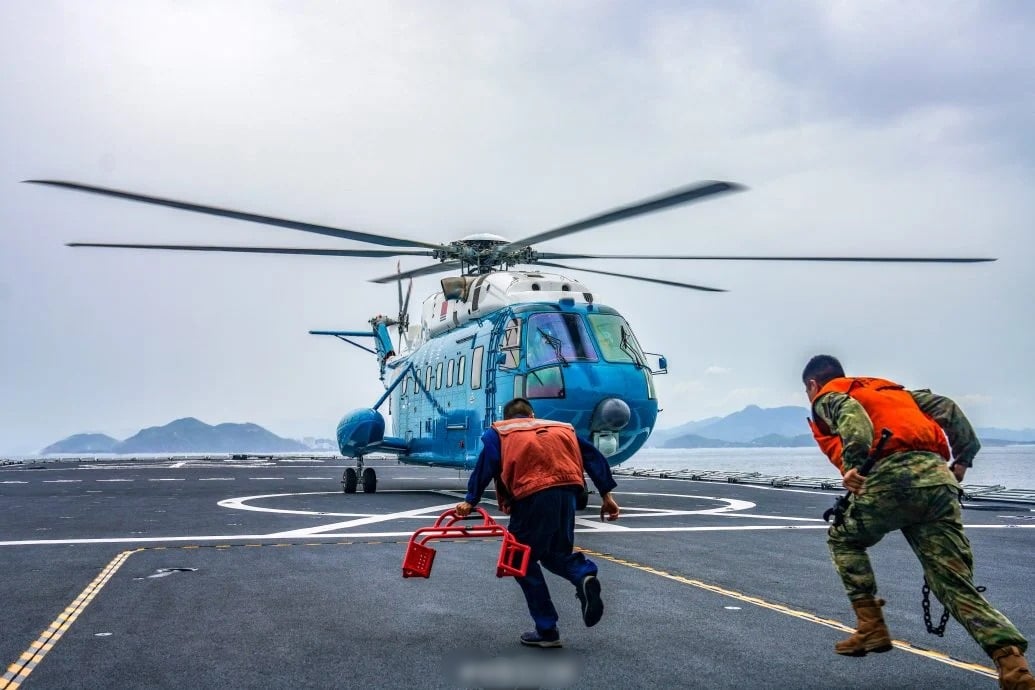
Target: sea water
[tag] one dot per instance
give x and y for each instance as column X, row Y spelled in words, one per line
column 1010, row 466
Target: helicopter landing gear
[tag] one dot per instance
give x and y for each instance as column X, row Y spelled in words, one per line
column 369, row 481
column 350, row 478
column 582, row 498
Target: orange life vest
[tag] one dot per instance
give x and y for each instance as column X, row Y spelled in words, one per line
column 538, row 454
column 889, row 406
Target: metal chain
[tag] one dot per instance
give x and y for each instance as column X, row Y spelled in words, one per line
column 925, row 602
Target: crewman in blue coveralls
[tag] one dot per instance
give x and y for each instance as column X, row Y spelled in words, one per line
column 538, row 466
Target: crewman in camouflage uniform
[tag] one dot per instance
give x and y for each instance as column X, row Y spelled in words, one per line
column 912, row 489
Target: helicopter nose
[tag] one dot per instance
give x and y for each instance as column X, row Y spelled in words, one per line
column 612, row 414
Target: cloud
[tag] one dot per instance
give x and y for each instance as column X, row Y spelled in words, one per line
column 861, row 128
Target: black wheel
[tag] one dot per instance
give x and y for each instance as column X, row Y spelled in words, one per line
column 349, row 481
column 369, row 481
column 582, row 499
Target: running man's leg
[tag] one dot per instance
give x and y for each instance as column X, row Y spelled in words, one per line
column 945, row 553
column 537, row 596
column 867, row 520
column 559, row 556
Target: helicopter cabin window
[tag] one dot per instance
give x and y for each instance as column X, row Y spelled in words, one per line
column 554, row 337
column 616, row 339
column 519, row 387
column 438, row 376
column 476, row 367
column 461, row 365
column 405, row 386
column 416, row 382
column 427, row 378
column 449, row 373
column 511, row 345
column 544, row 383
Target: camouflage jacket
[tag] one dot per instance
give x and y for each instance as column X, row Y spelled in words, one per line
column 847, row 418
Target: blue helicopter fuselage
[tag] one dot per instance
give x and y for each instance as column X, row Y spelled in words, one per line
column 575, row 360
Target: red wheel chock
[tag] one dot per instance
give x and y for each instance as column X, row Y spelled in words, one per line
column 419, row 557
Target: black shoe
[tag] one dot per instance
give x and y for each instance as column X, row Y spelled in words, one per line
column 550, row 638
column 588, row 592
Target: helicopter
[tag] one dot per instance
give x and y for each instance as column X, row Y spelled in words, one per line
column 493, row 333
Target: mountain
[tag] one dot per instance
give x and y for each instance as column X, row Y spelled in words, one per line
column 187, row 435
column 767, row 441
column 993, row 434
column 772, row 427
column 744, row 426
column 83, row 443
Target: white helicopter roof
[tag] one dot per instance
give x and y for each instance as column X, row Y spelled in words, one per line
column 473, row 297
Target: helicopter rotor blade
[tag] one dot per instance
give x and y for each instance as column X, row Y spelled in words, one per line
column 399, row 284
column 406, row 303
column 874, row 259
column 257, row 250
column 369, row 238
column 676, row 197
column 425, row 271
column 626, row 275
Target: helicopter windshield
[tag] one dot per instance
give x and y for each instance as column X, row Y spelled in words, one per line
column 616, row 339
column 553, row 338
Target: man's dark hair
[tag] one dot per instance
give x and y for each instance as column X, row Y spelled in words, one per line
column 822, row 368
column 518, row 407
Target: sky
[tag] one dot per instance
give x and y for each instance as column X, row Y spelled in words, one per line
column 866, row 128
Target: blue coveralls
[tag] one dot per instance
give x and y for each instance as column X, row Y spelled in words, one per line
column 545, row 521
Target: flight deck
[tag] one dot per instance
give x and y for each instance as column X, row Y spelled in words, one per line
column 261, row 572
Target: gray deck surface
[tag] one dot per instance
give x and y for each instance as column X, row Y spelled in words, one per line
column 295, row 584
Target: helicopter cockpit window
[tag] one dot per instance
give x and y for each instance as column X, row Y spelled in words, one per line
column 511, row 345
column 544, row 383
column 616, row 339
column 553, row 337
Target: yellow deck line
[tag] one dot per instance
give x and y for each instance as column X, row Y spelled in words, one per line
column 786, row 610
column 18, row 671
column 29, row 659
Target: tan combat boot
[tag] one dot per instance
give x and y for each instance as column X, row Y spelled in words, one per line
column 871, row 634
column 1013, row 669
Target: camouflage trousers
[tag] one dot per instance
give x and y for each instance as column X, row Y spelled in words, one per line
column 930, row 520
